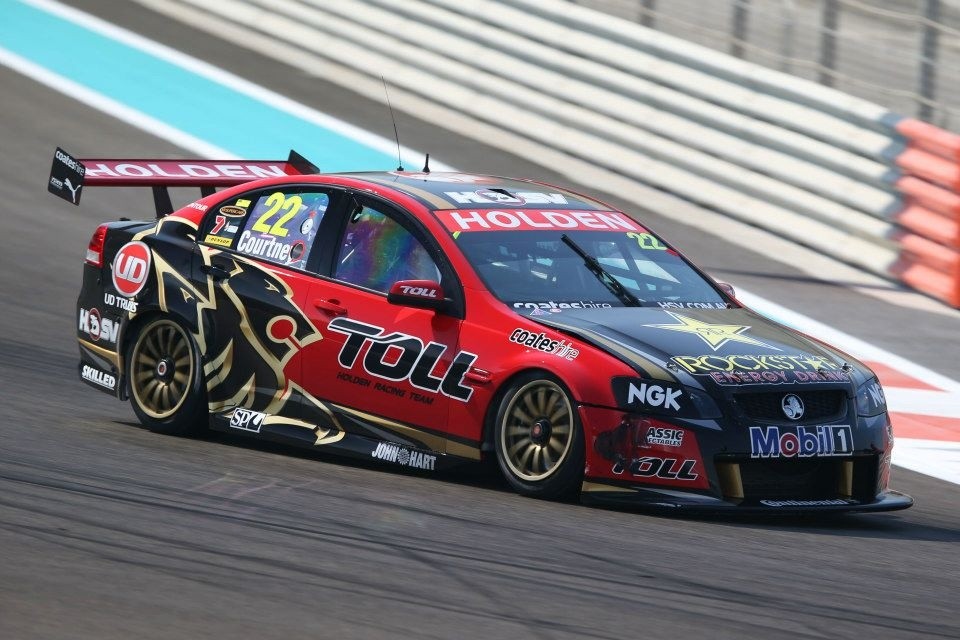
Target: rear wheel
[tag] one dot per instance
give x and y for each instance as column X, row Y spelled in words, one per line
column 163, row 371
column 539, row 440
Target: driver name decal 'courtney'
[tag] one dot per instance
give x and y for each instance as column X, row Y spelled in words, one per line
column 532, row 220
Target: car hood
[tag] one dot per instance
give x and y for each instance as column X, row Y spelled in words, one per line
column 707, row 347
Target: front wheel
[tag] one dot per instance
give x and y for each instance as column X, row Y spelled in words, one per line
column 539, row 439
column 166, row 387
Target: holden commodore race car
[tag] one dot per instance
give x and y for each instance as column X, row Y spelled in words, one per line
column 426, row 319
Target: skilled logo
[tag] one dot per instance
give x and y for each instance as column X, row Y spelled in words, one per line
column 715, row 335
column 98, row 377
column 792, row 406
column 131, row 266
column 807, row 442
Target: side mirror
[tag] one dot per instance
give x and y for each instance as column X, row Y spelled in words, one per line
column 423, row 294
column 728, row 289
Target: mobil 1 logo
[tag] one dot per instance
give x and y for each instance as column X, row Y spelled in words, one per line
column 66, row 176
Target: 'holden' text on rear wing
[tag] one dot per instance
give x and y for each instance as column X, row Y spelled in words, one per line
column 68, row 175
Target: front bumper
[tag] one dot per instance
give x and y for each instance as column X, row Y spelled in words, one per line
column 700, row 466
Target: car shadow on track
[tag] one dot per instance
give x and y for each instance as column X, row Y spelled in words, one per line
column 904, row 525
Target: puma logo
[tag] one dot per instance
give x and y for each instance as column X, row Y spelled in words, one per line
column 73, row 190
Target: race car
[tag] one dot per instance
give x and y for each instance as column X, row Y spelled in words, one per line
column 426, row 319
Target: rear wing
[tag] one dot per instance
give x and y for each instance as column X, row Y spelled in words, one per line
column 68, row 175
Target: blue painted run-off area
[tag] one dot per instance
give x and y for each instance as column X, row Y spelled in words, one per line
column 172, row 94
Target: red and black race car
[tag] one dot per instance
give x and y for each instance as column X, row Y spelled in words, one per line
column 423, row 319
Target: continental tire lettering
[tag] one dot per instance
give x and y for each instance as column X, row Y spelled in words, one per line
column 400, row 356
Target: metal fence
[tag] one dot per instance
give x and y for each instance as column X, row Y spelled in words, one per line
column 902, row 54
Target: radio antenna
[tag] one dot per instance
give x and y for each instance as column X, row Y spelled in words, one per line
column 393, row 118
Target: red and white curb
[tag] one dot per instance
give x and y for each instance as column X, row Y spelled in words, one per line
column 924, row 405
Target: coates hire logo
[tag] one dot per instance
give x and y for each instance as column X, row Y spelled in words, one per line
column 807, row 442
column 131, row 268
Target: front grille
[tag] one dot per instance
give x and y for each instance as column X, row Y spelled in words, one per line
column 819, row 406
column 803, row 479
column 798, row 479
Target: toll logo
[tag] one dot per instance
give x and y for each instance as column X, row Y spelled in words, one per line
column 131, row 266
column 805, row 442
column 401, row 357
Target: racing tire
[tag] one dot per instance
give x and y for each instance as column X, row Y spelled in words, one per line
column 164, row 379
column 538, row 438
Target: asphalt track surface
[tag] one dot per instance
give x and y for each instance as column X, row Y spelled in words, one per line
column 108, row 531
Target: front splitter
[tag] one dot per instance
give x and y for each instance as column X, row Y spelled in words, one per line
column 696, row 503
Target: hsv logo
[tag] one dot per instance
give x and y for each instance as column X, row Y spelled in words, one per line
column 131, row 267
column 98, row 328
column 502, row 196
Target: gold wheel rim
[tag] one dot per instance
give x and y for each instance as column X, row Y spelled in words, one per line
column 161, row 369
column 537, row 430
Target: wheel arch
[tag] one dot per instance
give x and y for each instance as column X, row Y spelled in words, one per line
column 490, row 416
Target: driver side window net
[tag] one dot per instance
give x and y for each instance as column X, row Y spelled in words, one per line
column 377, row 251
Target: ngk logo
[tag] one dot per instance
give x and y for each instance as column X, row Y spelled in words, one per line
column 131, row 267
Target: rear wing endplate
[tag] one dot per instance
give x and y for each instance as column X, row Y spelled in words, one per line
column 68, row 175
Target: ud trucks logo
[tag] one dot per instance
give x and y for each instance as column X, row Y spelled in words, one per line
column 806, row 442
column 131, row 268
column 416, row 361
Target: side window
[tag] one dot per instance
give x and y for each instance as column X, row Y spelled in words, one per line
column 376, row 251
column 281, row 225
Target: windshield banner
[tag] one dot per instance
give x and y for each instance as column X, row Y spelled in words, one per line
column 534, row 220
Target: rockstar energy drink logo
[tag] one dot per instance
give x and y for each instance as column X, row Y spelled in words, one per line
column 740, row 369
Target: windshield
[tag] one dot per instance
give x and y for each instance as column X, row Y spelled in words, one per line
column 536, row 269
